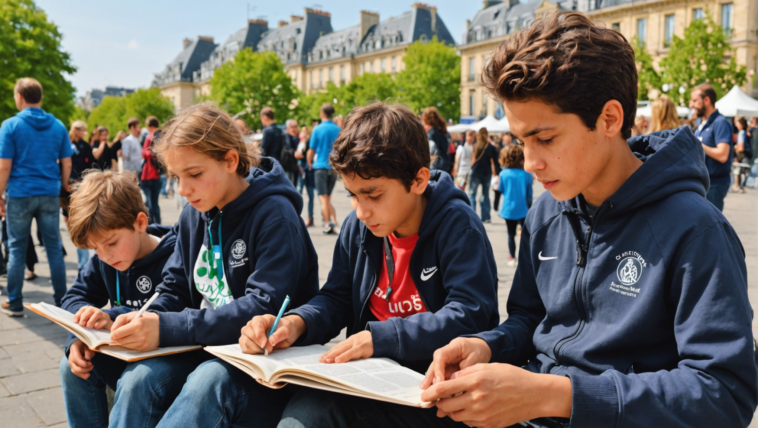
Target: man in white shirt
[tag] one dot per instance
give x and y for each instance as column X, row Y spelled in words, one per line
column 131, row 149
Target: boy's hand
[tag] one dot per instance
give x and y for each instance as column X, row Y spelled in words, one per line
column 253, row 338
column 141, row 334
column 495, row 395
column 92, row 317
column 79, row 359
column 459, row 354
column 356, row 347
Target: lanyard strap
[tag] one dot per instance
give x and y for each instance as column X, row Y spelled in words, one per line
column 212, row 258
column 118, row 291
column 390, row 267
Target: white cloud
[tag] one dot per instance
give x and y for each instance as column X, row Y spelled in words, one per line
column 132, row 45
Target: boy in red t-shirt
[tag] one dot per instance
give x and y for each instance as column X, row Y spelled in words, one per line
column 412, row 267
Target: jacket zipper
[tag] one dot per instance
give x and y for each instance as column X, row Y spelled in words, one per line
column 374, row 282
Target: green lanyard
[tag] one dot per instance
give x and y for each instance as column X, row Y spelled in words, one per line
column 214, row 249
column 118, row 291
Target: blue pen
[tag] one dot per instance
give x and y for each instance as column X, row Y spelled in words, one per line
column 276, row 321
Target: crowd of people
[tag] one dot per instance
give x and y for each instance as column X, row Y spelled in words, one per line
column 628, row 307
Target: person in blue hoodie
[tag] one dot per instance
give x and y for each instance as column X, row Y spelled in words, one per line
column 629, row 307
column 107, row 213
column 35, row 163
column 241, row 249
column 412, row 268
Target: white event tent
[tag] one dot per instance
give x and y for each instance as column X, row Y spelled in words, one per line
column 737, row 103
column 647, row 111
column 492, row 125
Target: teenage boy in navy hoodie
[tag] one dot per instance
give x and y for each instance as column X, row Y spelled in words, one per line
column 629, row 307
column 107, row 213
column 412, row 268
column 241, row 249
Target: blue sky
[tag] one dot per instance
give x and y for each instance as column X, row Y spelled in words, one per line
column 122, row 43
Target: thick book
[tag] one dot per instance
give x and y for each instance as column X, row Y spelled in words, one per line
column 100, row 340
column 375, row 378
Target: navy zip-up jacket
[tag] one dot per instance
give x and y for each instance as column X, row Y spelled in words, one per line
column 267, row 254
column 644, row 305
column 453, row 268
column 96, row 283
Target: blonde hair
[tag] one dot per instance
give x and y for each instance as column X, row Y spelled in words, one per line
column 101, row 202
column 74, row 126
column 208, row 130
column 663, row 115
column 482, row 141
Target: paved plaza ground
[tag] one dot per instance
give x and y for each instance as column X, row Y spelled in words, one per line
column 31, row 347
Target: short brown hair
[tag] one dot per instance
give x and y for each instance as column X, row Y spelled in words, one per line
column 512, row 156
column 328, row 110
column 432, row 117
column 133, row 121
column 101, row 202
column 381, row 140
column 152, row 122
column 30, row 90
column 268, row 112
column 706, row 90
column 209, row 130
column 565, row 60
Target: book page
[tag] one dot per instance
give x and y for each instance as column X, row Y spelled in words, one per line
column 279, row 359
column 132, row 355
column 93, row 338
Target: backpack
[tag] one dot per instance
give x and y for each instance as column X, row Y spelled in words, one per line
column 287, row 157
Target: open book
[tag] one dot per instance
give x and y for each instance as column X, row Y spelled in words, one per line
column 376, row 378
column 99, row 340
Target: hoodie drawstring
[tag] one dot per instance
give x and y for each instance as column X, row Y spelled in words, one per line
column 220, row 245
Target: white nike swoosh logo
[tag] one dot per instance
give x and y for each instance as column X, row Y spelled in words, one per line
column 426, row 274
column 546, row 258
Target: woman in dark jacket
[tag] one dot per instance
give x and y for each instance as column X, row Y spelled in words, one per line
column 436, row 131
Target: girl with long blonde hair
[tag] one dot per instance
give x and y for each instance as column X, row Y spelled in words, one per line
column 663, row 115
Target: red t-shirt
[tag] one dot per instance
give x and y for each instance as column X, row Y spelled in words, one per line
column 404, row 298
column 148, row 170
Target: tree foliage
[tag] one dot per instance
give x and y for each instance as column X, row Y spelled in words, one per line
column 30, row 46
column 648, row 79
column 251, row 81
column 702, row 56
column 114, row 112
column 432, row 77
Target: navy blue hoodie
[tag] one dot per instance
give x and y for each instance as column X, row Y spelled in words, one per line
column 267, row 251
column 460, row 295
column 644, row 305
column 96, row 283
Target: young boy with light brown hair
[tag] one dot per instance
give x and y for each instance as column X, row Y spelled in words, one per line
column 106, row 213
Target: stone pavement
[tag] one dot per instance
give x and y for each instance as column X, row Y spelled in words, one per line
column 31, row 347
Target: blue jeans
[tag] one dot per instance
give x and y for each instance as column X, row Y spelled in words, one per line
column 309, row 184
column 474, row 182
column 85, row 400
column 19, row 215
column 716, row 194
column 147, row 388
column 83, row 257
column 218, row 394
column 152, row 190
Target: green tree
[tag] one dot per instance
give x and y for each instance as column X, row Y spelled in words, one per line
column 251, row 81
column 30, row 46
column 432, row 77
column 648, row 79
column 702, row 56
column 114, row 112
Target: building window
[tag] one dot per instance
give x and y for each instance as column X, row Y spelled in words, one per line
column 331, row 74
column 616, row 26
column 383, row 67
column 363, row 67
column 321, row 78
column 698, row 14
column 668, row 31
column 471, row 62
column 342, row 73
column 313, row 82
column 471, row 97
column 484, row 105
column 726, row 18
column 394, row 64
column 499, row 113
column 371, row 66
column 642, row 29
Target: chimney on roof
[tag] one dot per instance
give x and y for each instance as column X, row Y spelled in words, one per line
column 295, row 18
column 512, row 3
column 186, row 42
column 317, row 12
column 465, row 33
column 368, row 20
column 206, row 38
column 282, row 24
column 258, row 21
column 488, row 3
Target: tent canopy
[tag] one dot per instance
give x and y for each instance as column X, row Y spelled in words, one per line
column 647, row 111
column 737, row 103
column 461, row 127
column 491, row 124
